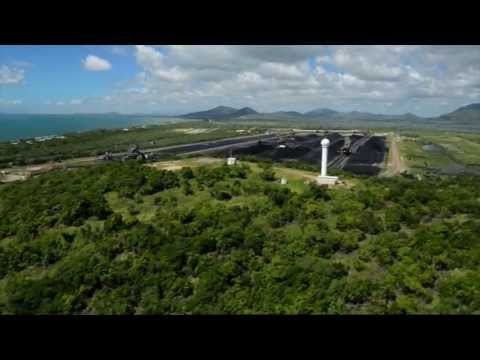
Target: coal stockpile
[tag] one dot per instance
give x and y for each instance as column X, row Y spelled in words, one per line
column 355, row 137
column 290, row 152
column 373, row 151
column 365, row 159
column 307, row 148
column 260, row 147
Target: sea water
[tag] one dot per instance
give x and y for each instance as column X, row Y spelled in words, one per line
column 23, row 126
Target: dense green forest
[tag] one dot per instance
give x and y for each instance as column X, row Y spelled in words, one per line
column 128, row 239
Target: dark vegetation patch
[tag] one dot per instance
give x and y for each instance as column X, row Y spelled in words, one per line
column 434, row 148
column 456, row 169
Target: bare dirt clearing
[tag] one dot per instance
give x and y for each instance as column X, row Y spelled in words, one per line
column 395, row 165
column 178, row 164
column 193, row 131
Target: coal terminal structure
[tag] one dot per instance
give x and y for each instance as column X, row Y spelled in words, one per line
column 360, row 154
column 355, row 152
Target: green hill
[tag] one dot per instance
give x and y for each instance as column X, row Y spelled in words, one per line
column 220, row 112
column 128, row 239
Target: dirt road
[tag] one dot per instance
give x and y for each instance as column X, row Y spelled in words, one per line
column 395, row 163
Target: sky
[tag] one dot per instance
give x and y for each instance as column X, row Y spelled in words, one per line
column 177, row 79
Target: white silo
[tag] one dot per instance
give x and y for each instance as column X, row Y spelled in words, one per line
column 325, row 144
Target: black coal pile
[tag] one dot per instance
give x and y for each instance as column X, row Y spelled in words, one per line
column 307, row 148
column 259, row 148
column 368, row 156
column 289, row 152
column 373, row 151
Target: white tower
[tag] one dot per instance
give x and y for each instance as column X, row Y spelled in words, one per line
column 325, row 143
column 323, row 179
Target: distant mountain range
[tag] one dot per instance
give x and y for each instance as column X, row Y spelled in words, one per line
column 469, row 113
column 225, row 112
column 220, row 112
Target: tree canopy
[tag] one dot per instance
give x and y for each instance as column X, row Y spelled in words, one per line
column 228, row 240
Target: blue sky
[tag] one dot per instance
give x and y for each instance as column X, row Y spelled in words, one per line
column 56, row 73
column 169, row 79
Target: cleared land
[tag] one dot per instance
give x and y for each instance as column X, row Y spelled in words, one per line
column 178, row 164
column 395, row 164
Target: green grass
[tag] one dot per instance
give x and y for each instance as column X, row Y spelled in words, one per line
column 464, row 148
column 452, row 149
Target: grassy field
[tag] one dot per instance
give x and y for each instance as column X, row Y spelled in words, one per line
column 440, row 151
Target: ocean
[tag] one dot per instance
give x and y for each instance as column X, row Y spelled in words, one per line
column 22, row 126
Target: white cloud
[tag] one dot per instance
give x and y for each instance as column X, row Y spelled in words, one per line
column 281, row 71
column 288, row 54
column 21, row 63
column 376, row 65
column 10, row 102
column 137, row 90
column 94, row 63
column 76, row 102
column 396, row 79
column 10, row 75
column 153, row 62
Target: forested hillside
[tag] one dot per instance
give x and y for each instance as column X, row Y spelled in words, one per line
column 129, row 239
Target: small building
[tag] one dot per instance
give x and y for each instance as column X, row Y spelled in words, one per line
column 231, row 160
column 283, row 181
